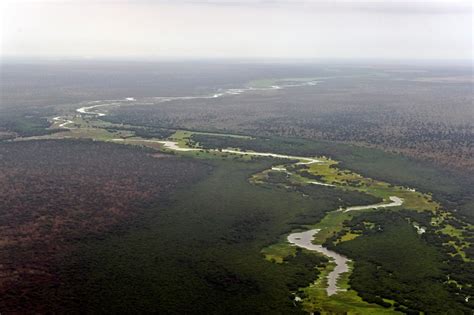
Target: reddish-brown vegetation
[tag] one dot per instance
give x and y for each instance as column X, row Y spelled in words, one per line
column 56, row 193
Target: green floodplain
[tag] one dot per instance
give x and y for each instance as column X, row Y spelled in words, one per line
column 221, row 245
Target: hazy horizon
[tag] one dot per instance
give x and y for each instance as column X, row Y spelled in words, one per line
column 240, row 29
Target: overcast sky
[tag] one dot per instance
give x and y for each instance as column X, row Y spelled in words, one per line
column 416, row 29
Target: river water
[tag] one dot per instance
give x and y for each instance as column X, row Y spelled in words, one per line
column 305, row 240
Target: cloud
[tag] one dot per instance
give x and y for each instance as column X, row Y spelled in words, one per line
column 238, row 28
column 380, row 6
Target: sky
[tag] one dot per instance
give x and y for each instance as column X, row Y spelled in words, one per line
column 288, row 29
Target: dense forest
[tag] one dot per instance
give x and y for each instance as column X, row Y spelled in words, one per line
column 419, row 116
column 421, row 111
column 87, row 225
column 393, row 261
column 215, row 264
column 58, row 193
column 106, row 228
column 24, row 124
column 456, row 191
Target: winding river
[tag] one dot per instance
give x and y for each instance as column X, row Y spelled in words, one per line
column 300, row 239
column 305, row 240
column 93, row 108
column 395, row 202
column 174, row 146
